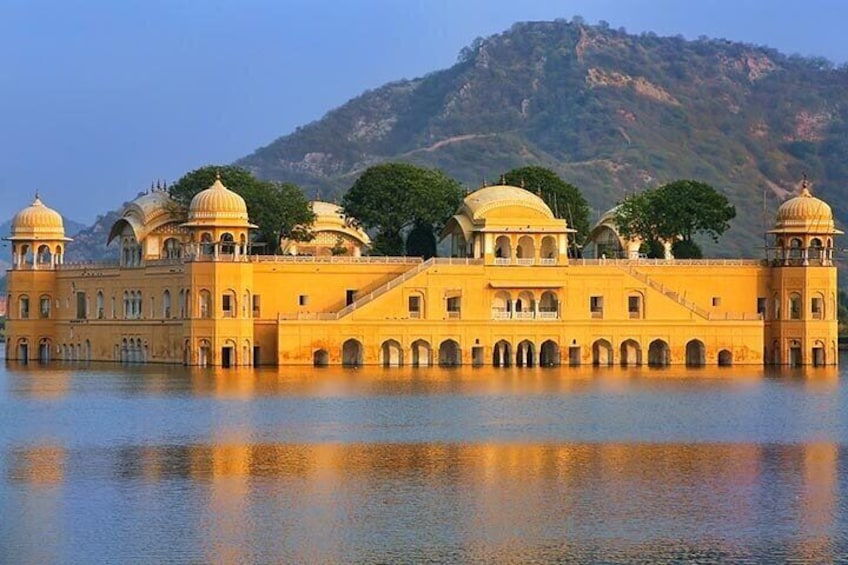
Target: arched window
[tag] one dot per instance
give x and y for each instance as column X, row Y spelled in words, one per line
column 548, row 305
column 795, row 306
column 44, row 306
column 44, row 257
column 815, row 251
column 501, row 305
column 548, row 252
column 206, row 247
column 127, row 312
column 171, row 249
column 99, row 307
column 526, row 250
column 166, row 304
column 113, row 307
column 205, row 304
column 229, row 308
column 23, row 307
column 182, row 303
column 228, row 246
column 503, row 250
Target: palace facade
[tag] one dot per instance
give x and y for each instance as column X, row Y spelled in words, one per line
column 191, row 292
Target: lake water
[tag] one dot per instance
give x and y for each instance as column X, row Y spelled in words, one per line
column 104, row 463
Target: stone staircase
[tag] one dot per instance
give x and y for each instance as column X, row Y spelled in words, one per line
column 400, row 279
column 671, row 294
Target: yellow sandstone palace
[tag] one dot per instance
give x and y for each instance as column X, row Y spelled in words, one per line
column 510, row 294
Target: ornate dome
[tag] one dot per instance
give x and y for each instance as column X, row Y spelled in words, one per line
column 37, row 221
column 481, row 201
column 332, row 217
column 217, row 205
column 804, row 214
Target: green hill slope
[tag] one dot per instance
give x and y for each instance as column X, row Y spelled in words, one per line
column 611, row 112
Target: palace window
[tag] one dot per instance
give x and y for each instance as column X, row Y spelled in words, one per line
column 453, row 306
column 634, row 306
column 414, row 306
column 350, row 296
column 99, row 307
column 257, row 303
column 817, row 308
column 205, row 304
column 81, row 306
column 227, row 305
column 166, row 304
column 44, row 307
column 303, row 300
column 762, row 307
column 794, row 306
column 716, row 300
column 596, row 306
column 23, row 303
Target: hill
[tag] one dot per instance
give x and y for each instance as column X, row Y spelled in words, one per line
column 610, row 111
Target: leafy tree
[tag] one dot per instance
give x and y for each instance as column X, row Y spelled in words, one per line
column 393, row 197
column 279, row 209
column 421, row 241
column 564, row 199
column 679, row 210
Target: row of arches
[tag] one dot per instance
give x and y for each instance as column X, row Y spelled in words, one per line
column 71, row 352
column 44, row 257
column 525, row 305
column 525, row 353
column 525, row 248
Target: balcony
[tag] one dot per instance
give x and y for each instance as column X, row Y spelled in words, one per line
column 547, row 261
column 453, row 315
column 525, row 262
column 503, row 261
column 528, row 315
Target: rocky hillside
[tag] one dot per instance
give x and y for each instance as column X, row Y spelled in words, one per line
column 611, row 112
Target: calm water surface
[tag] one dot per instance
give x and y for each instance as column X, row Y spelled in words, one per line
column 104, row 463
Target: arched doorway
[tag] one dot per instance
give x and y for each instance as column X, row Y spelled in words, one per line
column 601, row 353
column 23, row 349
column 525, row 354
column 549, row 354
column 392, row 354
column 658, row 354
column 204, row 353
column 695, row 353
column 725, row 358
column 352, row 353
column 503, row 250
column 631, row 353
column 320, row 358
column 44, row 350
column 450, row 354
column 501, row 354
column 421, row 353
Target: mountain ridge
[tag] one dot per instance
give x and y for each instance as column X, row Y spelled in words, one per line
column 609, row 111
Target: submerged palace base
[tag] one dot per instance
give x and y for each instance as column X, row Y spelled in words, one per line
column 190, row 293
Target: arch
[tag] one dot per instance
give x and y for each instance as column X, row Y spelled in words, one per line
column 166, row 304
column 818, row 354
column 450, row 354
column 503, row 249
column 796, row 353
column 125, row 351
column 229, row 306
column 602, row 353
column 725, row 358
column 126, row 304
column 525, row 305
column 228, row 246
column 391, row 353
column 525, row 354
column 548, row 305
column 549, row 354
column 352, row 353
column 502, row 304
column 502, row 354
column 696, row 355
column 23, row 307
column 44, row 306
column 204, row 303
column 187, row 352
column 630, row 353
column 87, row 351
column 181, row 303
column 204, row 353
column 171, row 249
column 320, row 358
column 815, row 251
column 99, row 306
column 246, row 311
column 44, row 256
column 422, row 354
column 548, row 252
column 795, row 306
column 817, row 308
column 206, row 245
column 44, row 350
column 23, row 349
column 658, row 354
column 526, row 248
column 229, row 354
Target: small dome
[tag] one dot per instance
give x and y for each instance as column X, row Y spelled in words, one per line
column 804, row 213
column 217, row 205
column 38, row 221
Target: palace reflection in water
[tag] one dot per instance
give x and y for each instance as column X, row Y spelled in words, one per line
column 449, row 465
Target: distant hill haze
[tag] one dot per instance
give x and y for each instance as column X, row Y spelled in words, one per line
column 611, row 112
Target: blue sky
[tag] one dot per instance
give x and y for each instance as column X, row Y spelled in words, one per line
column 98, row 98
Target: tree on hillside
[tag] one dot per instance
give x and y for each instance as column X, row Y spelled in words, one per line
column 564, row 199
column 394, row 197
column 279, row 209
column 677, row 212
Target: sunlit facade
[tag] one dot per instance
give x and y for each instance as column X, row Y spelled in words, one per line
column 511, row 293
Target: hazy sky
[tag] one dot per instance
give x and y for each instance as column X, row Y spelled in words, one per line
column 99, row 98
